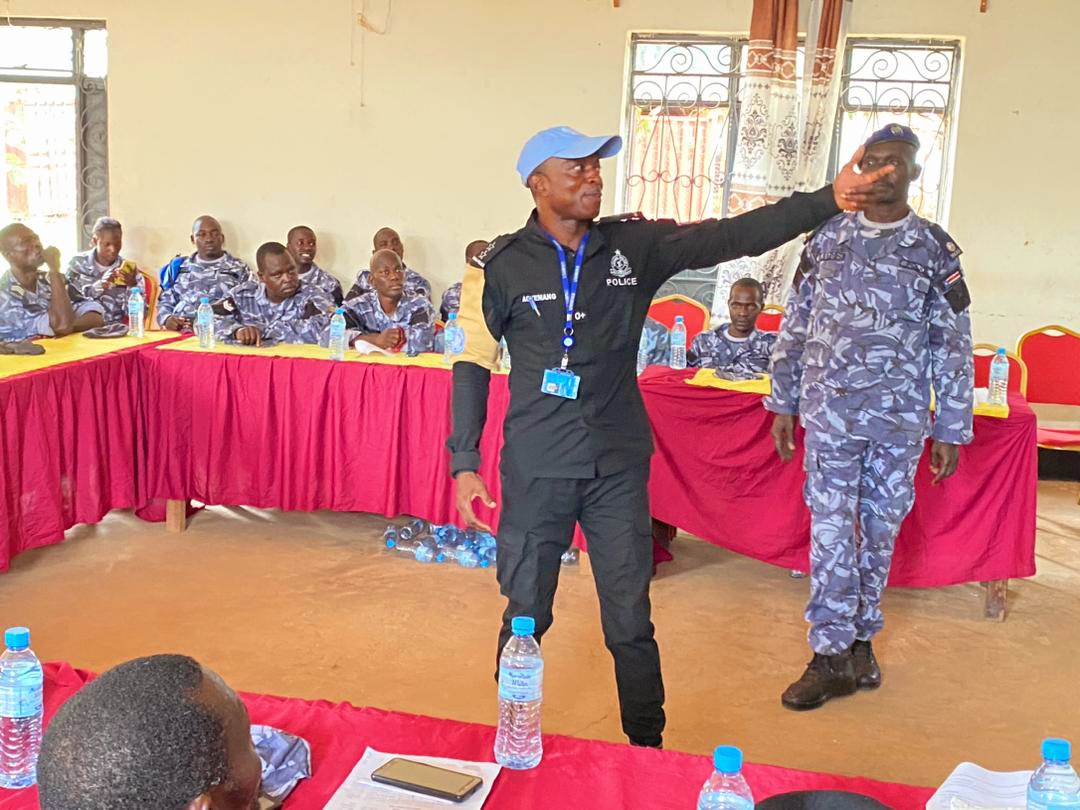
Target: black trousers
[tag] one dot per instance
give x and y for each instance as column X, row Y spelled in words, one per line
column 537, row 526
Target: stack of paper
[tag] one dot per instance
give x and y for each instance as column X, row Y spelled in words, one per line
column 970, row 787
column 359, row 791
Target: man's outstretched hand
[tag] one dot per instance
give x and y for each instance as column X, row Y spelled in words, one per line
column 854, row 191
column 469, row 487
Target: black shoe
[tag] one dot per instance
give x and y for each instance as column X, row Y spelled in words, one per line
column 867, row 671
column 826, row 677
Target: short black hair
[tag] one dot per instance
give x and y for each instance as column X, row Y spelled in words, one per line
column 295, row 228
column 136, row 737
column 106, row 224
column 268, row 249
column 747, row 281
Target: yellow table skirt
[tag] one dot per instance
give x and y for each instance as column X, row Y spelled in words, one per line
column 72, row 348
column 706, row 378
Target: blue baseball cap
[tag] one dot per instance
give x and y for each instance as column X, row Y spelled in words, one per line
column 563, row 142
column 894, row 132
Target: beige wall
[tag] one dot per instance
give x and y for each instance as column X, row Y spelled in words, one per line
column 271, row 113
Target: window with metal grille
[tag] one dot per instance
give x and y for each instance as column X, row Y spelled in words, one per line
column 682, row 122
column 53, row 128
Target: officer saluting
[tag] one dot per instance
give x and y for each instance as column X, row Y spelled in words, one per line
column 877, row 314
column 570, row 293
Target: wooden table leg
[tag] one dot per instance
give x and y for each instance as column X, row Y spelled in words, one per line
column 997, row 592
column 176, row 515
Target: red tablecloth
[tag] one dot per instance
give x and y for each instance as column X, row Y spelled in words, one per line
column 716, row 474
column 574, row 774
column 70, row 438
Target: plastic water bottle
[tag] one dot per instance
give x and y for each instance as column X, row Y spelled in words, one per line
column 999, row 378
column 488, row 553
column 21, row 710
column 572, row 556
column 642, row 353
column 136, row 310
column 454, row 337
column 678, row 344
column 337, row 335
column 204, row 324
column 521, row 691
column 413, row 529
column 466, row 557
column 726, row 789
column 1055, row 785
column 504, row 355
column 417, row 549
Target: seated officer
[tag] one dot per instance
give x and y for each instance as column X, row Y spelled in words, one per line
column 157, row 732
column 280, row 308
column 209, row 271
column 415, row 284
column 656, row 340
column 736, row 347
column 386, row 317
column 35, row 303
column 101, row 273
column 451, row 300
column 302, row 244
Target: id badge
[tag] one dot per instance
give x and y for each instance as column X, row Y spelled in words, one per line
column 560, row 382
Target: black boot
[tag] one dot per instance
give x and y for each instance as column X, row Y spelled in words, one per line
column 826, row 677
column 867, row 671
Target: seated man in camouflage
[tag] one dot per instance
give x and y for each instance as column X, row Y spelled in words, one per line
column 386, row 317
column 302, row 244
column 656, row 341
column 451, row 300
column 34, row 303
column 415, row 284
column 209, row 271
column 279, row 308
column 737, row 347
column 101, row 274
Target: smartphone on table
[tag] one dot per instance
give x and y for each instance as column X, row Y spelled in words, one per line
column 428, row 780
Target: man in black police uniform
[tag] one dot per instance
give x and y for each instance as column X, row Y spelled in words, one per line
column 577, row 438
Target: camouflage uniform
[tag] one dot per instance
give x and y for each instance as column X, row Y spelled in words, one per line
column 24, row 314
column 86, row 276
column 317, row 277
column 875, row 317
column 657, row 342
column 747, row 356
column 415, row 315
column 196, row 279
column 415, row 285
column 299, row 319
column 451, row 301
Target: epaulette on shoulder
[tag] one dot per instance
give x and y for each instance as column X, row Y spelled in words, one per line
column 944, row 240
column 632, row 217
column 494, row 247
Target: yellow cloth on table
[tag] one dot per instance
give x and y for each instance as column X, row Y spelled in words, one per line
column 982, row 405
column 71, row 348
column 310, row 352
column 706, row 378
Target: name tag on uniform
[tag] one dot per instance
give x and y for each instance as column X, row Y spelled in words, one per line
column 560, row 382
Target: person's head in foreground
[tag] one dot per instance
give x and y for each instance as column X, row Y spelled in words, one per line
column 22, row 248
column 898, row 146
column 561, row 167
column 158, row 732
column 474, row 249
column 387, row 274
column 107, row 240
column 207, row 238
column 745, row 301
column 277, row 271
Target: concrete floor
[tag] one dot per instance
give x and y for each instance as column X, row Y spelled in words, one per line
column 308, row 605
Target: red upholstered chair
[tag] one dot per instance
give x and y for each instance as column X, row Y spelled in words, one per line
column 695, row 314
column 1018, row 371
column 1052, row 355
column 770, row 317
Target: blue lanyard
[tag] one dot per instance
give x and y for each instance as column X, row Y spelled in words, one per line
column 569, row 288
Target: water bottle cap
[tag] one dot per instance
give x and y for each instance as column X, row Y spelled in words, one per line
column 523, row 625
column 440, row 557
column 204, row 300
column 339, row 311
column 17, row 638
column 1053, row 748
column 727, row 759
column 1001, row 352
column 390, row 542
column 678, row 319
column 453, row 316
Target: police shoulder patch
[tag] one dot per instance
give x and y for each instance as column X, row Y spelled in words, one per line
column 945, row 241
column 494, row 247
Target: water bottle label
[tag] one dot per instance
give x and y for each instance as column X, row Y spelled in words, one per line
column 21, row 701
column 455, row 340
column 521, row 685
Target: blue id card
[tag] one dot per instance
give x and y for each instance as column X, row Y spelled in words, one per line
column 560, row 382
